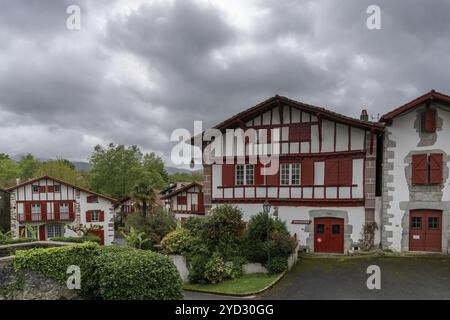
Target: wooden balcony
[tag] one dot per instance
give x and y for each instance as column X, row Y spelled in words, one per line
column 194, row 209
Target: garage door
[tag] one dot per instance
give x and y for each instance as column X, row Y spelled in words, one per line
column 329, row 235
column 425, row 230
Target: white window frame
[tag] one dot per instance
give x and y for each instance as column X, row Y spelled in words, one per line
column 57, row 186
column 95, row 216
column 52, row 230
column 28, row 234
column 34, row 209
column 287, row 176
column 245, row 174
column 35, row 186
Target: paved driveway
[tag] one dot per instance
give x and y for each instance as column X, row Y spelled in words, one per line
column 345, row 278
column 315, row 277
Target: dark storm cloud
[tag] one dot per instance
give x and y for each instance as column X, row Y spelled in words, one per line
column 133, row 78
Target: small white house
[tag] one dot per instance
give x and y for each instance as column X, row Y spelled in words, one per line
column 49, row 205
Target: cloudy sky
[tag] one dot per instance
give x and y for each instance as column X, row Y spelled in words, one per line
column 139, row 69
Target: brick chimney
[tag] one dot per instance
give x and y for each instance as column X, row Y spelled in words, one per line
column 364, row 116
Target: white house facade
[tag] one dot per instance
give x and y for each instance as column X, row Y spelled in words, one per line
column 49, row 205
column 416, row 189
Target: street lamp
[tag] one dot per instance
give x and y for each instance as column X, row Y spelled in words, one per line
column 266, row 209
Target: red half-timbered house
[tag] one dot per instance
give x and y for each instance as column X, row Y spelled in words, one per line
column 324, row 184
column 49, row 205
column 185, row 201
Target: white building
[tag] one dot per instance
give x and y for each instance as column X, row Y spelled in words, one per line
column 49, row 205
column 185, row 200
column 416, row 190
column 324, row 185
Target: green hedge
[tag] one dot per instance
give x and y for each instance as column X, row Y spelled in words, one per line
column 14, row 241
column 133, row 274
column 107, row 272
column 53, row 262
column 90, row 238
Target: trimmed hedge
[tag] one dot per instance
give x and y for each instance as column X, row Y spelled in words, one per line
column 53, row 262
column 107, row 272
column 14, row 241
column 89, row 238
column 133, row 274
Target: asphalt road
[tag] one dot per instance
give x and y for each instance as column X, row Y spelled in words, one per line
column 319, row 278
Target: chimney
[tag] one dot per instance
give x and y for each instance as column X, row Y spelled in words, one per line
column 364, row 116
column 17, row 181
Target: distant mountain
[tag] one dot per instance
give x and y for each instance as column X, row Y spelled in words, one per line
column 81, row 165
column 172, row 170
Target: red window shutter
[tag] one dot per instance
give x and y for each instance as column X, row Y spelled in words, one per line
column 436, row 172
column 89, row 199
column 102, row 216
column 27, row 208
column 56, row 210
column 419, row 169
column 50, row 189
column 227, row 175
column 331, row 172
column 300, row 133
column 345, row 172
column 429, row 121
column 43, row 210
column 307, row 177
column 41, row 189
column 273, row 179
column 71, row 211
column 88, row 216
column 181, row 200
column 259, row 177
column 42, row 233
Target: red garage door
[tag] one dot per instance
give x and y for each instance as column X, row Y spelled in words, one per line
column 425, row 230
column 329, row 235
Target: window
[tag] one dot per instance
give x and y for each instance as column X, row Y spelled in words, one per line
column 64, row 211
column 338, row 172
column 57, row 188
column 95, row 216
column 335, row 229
column 35, row 188
column 92, row 199
column 245, row 174
column 320, row 229
column 427, row 169
column 55, row 230
column 35, row 208
column 429, row 121
column 433, row 223
column 181, row 200
column 416, row 223
column 290, row 174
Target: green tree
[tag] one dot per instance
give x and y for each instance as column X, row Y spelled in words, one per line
column 154, row 171
column 28, row 166
column 9, row 171
column 115, row 170
column 186, row 177
column 143, row 196
column 60, row 169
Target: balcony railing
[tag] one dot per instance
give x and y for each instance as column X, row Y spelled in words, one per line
column 36, row 217
column 193, row 209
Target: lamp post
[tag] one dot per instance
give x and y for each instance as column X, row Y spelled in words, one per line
column 266, row 210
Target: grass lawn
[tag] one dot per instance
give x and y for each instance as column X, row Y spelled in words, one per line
column 246, row 285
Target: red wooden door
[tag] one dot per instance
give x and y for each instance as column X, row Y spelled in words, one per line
column 42, row 233
column 329, row 235
column 100, row 234
column 425, row 230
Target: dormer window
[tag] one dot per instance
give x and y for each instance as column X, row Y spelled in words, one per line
column 429, row 121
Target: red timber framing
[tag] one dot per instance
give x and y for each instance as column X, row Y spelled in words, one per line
column 184, row 198
column 313, row 137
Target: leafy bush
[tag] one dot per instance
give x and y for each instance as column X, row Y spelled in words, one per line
column 14, row 241
column 197, row 265
column 216, row 270
column 87, row 238
column 194, row 224
column 132, row 274
column 277, row 265
column 135, row 239
column 53, row 262
column 107, row 272
column 265, row 235
column 236, row 267
column 178, row 241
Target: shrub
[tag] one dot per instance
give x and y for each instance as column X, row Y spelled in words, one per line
column 197, row 265
column 87, row 238
column 277, row 265
column 179, row 241
column 14, row 241
column 236, row 267
column 132, row 274
column 107, row 272
column 216, row 270
column 53, row 262
column 135, row 239
column 194, row 224
column 265, row 235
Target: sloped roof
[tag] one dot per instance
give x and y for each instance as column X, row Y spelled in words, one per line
column 62, row 182
column 184, row 188
column 414, row 103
